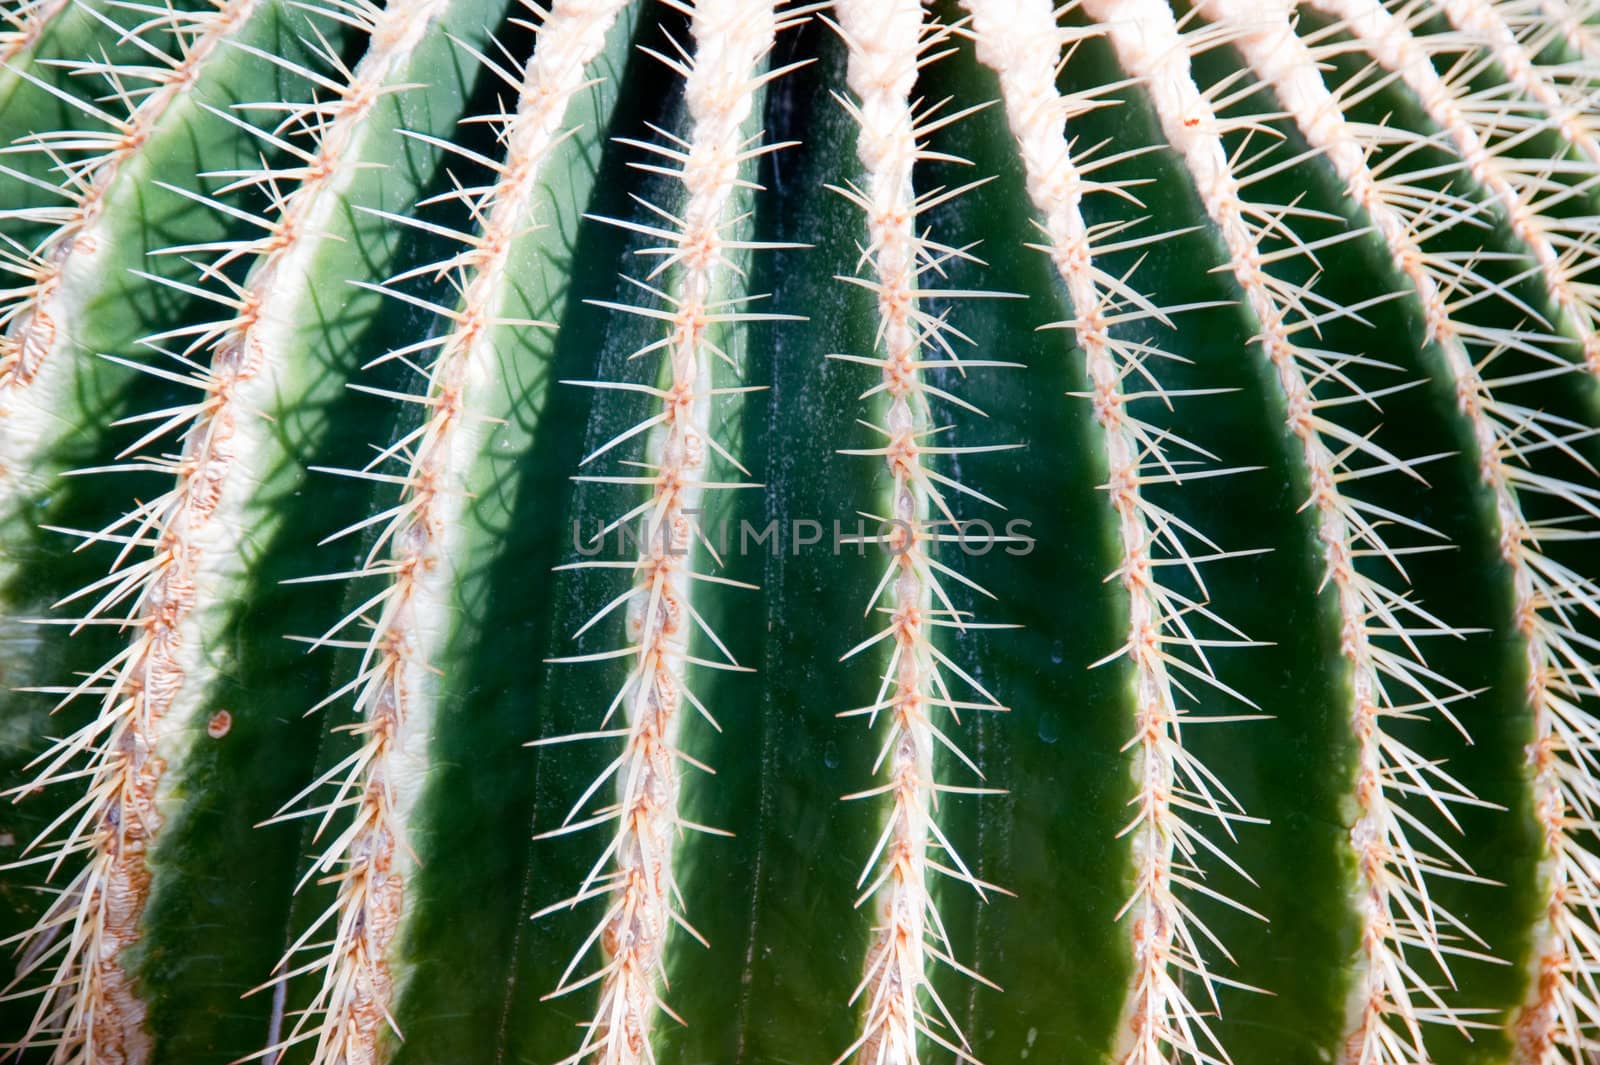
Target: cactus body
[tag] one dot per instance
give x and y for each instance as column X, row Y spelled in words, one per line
column 875, row 532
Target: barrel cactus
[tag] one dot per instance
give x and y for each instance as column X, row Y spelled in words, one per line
column 734, row 531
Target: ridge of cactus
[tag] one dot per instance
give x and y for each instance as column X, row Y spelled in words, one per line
column 153, row 692
column 1393, row 999
column 371, row 857
column 95, row 914
column 1022, row 43
column 886, row 44
column 24, row 24
column 1572, row 22
column 1507, row 436
column 1560, row 247
column 693, row 290
column 39, row 317
column 1555, row 110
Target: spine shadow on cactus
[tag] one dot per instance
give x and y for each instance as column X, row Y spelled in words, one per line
column 216, row 825
column 294, row 677
column 487, row 785
column 117, row 310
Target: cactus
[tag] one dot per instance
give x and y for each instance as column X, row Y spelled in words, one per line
column 871, row 532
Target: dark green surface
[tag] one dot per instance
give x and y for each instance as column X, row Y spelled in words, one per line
column 784, row 758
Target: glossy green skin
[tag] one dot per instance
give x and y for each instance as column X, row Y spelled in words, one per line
column 775, row 901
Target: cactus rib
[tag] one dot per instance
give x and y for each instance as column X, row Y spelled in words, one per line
column 722, row 82
column 1485, row 25
column 516, row 253
column 1561, row 255
column 39, row 320
column 21, row 26
column 886, row 44
column 1021, row 42
column 1392, row 998
column 1574, row 21
column 151, row 690
column 372, row 857
column 1545, row 592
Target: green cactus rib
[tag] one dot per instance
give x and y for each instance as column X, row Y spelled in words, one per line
column 771, row 492
column 923, row 692
column 1023, row 46
column 1560, row 245
column 41, row 317
column 373, row 857
column 670, row 645
column 1562, row 113
column 1544, row 590
column 24, row 28
column 55, row 385
column 75, row 252
column 25, row 24
column 1398, row 909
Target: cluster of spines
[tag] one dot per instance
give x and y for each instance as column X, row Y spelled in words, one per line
column 1530, row 94
column 1379, row 626
column 1574, row 20
column 1564, row 248
column 887, row 43
column 696, row 266
column 1023, row 43
column 171, row 546
column 415, row 553
column 1549, row 597
column 22, row 25
column 38, row 317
